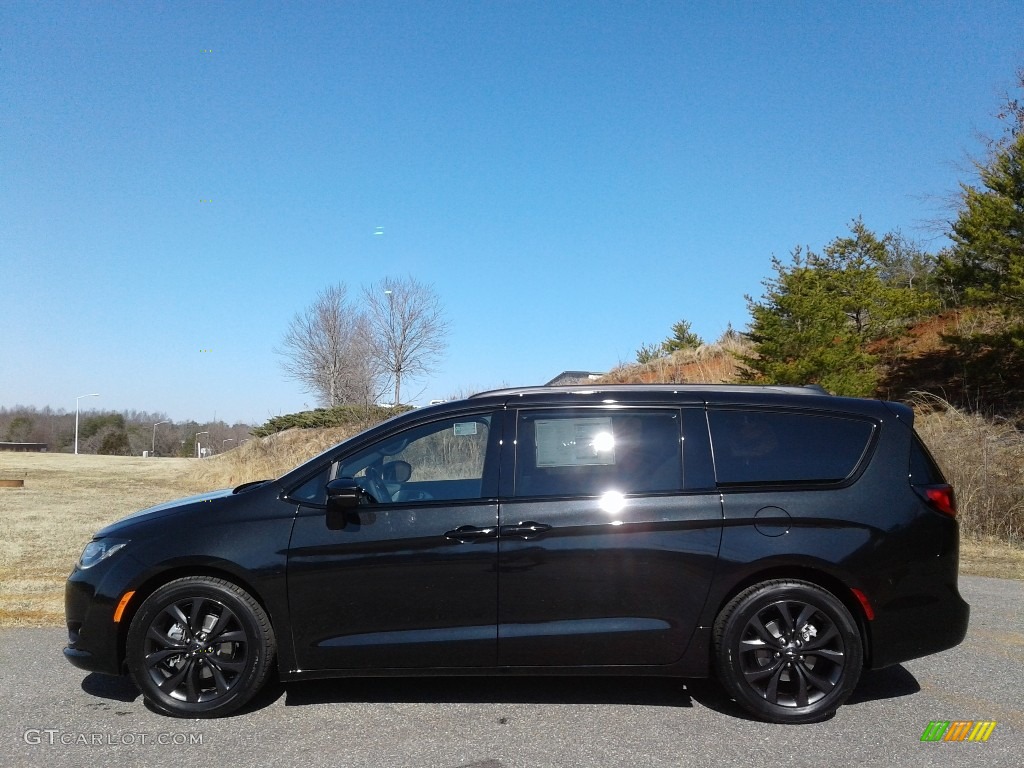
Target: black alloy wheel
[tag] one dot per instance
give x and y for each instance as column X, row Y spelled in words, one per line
column 788, row 651
column 200, row 647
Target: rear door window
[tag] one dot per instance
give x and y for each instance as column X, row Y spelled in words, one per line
column 584, row 452
column 773, row 447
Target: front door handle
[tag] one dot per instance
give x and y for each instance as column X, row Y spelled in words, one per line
column 525, row 530
column 466, row 533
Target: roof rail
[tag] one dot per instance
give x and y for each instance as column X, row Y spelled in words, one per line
column 806, row 389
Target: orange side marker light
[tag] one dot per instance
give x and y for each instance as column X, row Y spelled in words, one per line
column 122, row 605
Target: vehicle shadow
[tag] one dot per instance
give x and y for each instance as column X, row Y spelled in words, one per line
column 124, row 689
column 889, row 683
column 110, row 687
column 874, row 685
column 892, row 682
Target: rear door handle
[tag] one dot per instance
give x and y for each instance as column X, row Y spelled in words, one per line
column 466, row 533
column 525, row 530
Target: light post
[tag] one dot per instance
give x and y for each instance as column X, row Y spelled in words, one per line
column 198, row 454
column 153, row 452
column 226, row 440
column 94, row 394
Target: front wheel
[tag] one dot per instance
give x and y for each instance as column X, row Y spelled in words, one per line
column 200, row 647
column 788, row 651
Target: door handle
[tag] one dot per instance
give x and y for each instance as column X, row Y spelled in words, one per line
column 525, row 530
column 466, row 533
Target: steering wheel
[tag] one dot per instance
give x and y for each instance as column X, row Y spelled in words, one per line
column 374, row 487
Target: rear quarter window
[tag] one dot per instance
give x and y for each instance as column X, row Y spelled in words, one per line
column 923, row 469
column 772, row 447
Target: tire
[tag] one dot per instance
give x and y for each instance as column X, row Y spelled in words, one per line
column 200, row 647
column 787, row 651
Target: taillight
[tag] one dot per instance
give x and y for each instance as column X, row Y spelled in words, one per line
column 939, row 497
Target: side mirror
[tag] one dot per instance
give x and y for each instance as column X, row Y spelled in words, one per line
column 343, row 495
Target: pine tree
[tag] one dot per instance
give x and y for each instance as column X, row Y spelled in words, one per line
column 682, row 338
column 819, row 313
column 986, row 264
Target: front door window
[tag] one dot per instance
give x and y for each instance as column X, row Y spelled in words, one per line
column 441, row 461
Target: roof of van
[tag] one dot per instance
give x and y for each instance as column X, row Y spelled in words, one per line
column 807, row 389
column 810, row 396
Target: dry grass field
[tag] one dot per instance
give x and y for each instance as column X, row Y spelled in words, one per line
column 66, row 498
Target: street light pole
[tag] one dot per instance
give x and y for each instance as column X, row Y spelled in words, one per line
column 198, row 454
column 77, row 399
column 152, row 452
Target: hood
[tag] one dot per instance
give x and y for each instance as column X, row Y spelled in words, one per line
column 160, row 510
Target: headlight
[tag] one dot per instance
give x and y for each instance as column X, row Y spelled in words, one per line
column 99, row 549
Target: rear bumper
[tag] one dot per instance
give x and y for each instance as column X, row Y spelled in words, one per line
column 936, row 622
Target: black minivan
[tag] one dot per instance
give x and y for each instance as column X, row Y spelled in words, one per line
column 779, row 538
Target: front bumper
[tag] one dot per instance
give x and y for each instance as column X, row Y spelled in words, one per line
column 79, row 658
column 95, row 641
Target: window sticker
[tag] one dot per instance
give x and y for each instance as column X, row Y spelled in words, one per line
column 574, row 442
column 465, row 428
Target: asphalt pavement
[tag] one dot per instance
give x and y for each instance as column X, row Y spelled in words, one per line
column 55, row 715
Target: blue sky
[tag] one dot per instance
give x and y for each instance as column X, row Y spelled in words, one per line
column 571, row 177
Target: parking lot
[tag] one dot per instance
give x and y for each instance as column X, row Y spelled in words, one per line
column 55, row 715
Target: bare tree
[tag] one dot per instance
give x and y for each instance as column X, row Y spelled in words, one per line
column 408, row 329
column 327, row 349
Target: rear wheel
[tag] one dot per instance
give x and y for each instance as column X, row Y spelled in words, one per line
column 788, row 651
column 200, row 647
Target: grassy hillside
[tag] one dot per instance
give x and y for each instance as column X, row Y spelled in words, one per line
column 268, row 457
column 708, row 364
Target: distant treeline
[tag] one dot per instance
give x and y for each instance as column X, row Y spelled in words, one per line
column 127, row 433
